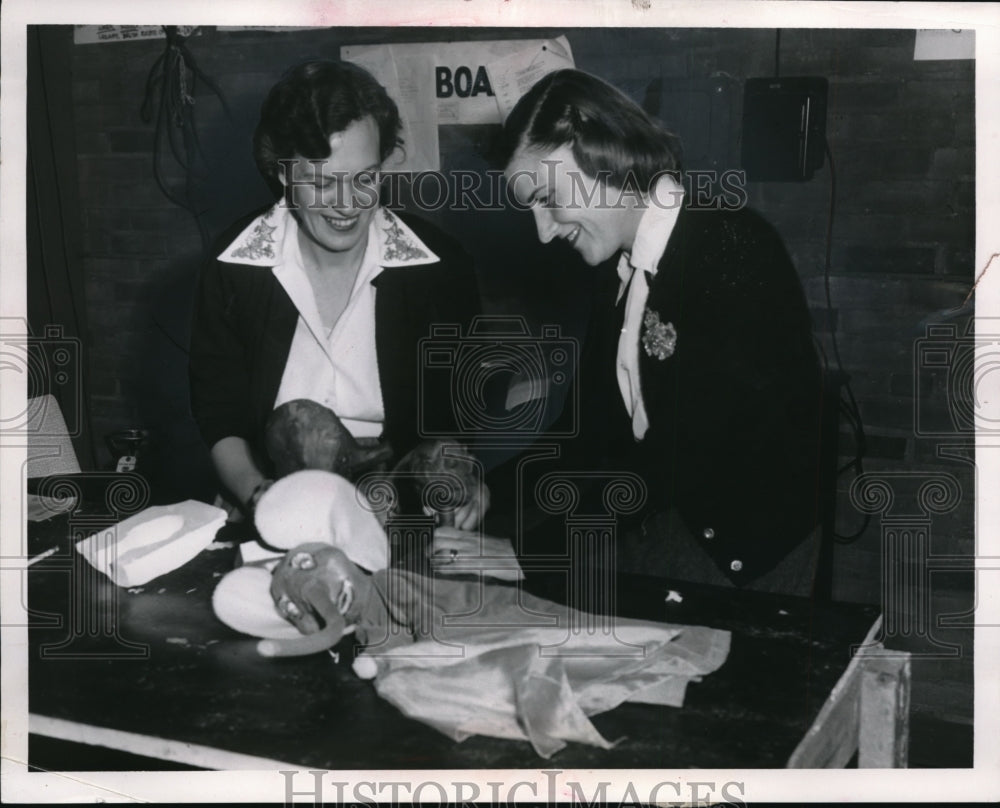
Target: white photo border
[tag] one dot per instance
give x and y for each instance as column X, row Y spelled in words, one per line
column 980, row 783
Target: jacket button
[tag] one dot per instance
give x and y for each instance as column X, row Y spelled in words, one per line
column 735, row 565
column 708, row 533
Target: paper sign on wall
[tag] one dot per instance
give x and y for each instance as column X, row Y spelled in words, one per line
column 453, row 83
column 92, row 34
column 513, row 75
column 931, row 44
column 415, row 101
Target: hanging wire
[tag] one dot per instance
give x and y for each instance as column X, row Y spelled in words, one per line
column 849, row 405
column 170, row 101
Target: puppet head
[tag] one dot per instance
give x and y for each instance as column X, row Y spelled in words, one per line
column 303, row 434
column 306, row 604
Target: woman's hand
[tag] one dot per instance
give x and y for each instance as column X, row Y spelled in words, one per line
column 446, row 481
column 469, row 515
column 238, row 472
column 255, row 495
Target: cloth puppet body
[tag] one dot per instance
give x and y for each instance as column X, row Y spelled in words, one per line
column 466, row 657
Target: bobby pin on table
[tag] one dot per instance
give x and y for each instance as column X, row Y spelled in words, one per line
column 150, row 671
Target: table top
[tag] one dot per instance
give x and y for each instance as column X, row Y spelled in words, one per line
column 153, row 660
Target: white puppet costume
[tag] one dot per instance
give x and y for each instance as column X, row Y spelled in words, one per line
column 468, row 657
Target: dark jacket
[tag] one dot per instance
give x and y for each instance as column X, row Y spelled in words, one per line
column 244, row 323
column 734, row 412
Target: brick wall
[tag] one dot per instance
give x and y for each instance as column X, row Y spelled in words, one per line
column 901, row 133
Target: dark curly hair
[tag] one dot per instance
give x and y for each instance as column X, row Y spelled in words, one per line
column 312, row 102
column 610, row 134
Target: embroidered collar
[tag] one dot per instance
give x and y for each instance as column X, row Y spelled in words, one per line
column 262, row 242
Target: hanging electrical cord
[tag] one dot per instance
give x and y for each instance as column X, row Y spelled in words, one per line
column 849, row 406
column 170, row 99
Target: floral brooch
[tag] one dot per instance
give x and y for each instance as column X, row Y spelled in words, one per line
column 659, row 339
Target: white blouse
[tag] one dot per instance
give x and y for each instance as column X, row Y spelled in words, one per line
column 336, row 367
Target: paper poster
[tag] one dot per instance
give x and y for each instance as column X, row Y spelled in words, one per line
column 947, row 44
column 91, row 34
column 513, row 75
column 457, row 73
column 274, row 29
column 450, row 83
column 413, row 97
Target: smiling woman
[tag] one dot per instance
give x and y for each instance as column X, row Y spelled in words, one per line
column 698, row 368
column 595, row 218
column 332, row 198
column 326, row 295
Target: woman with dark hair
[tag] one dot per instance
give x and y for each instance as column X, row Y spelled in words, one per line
column 326, row 295
column 699, row 369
